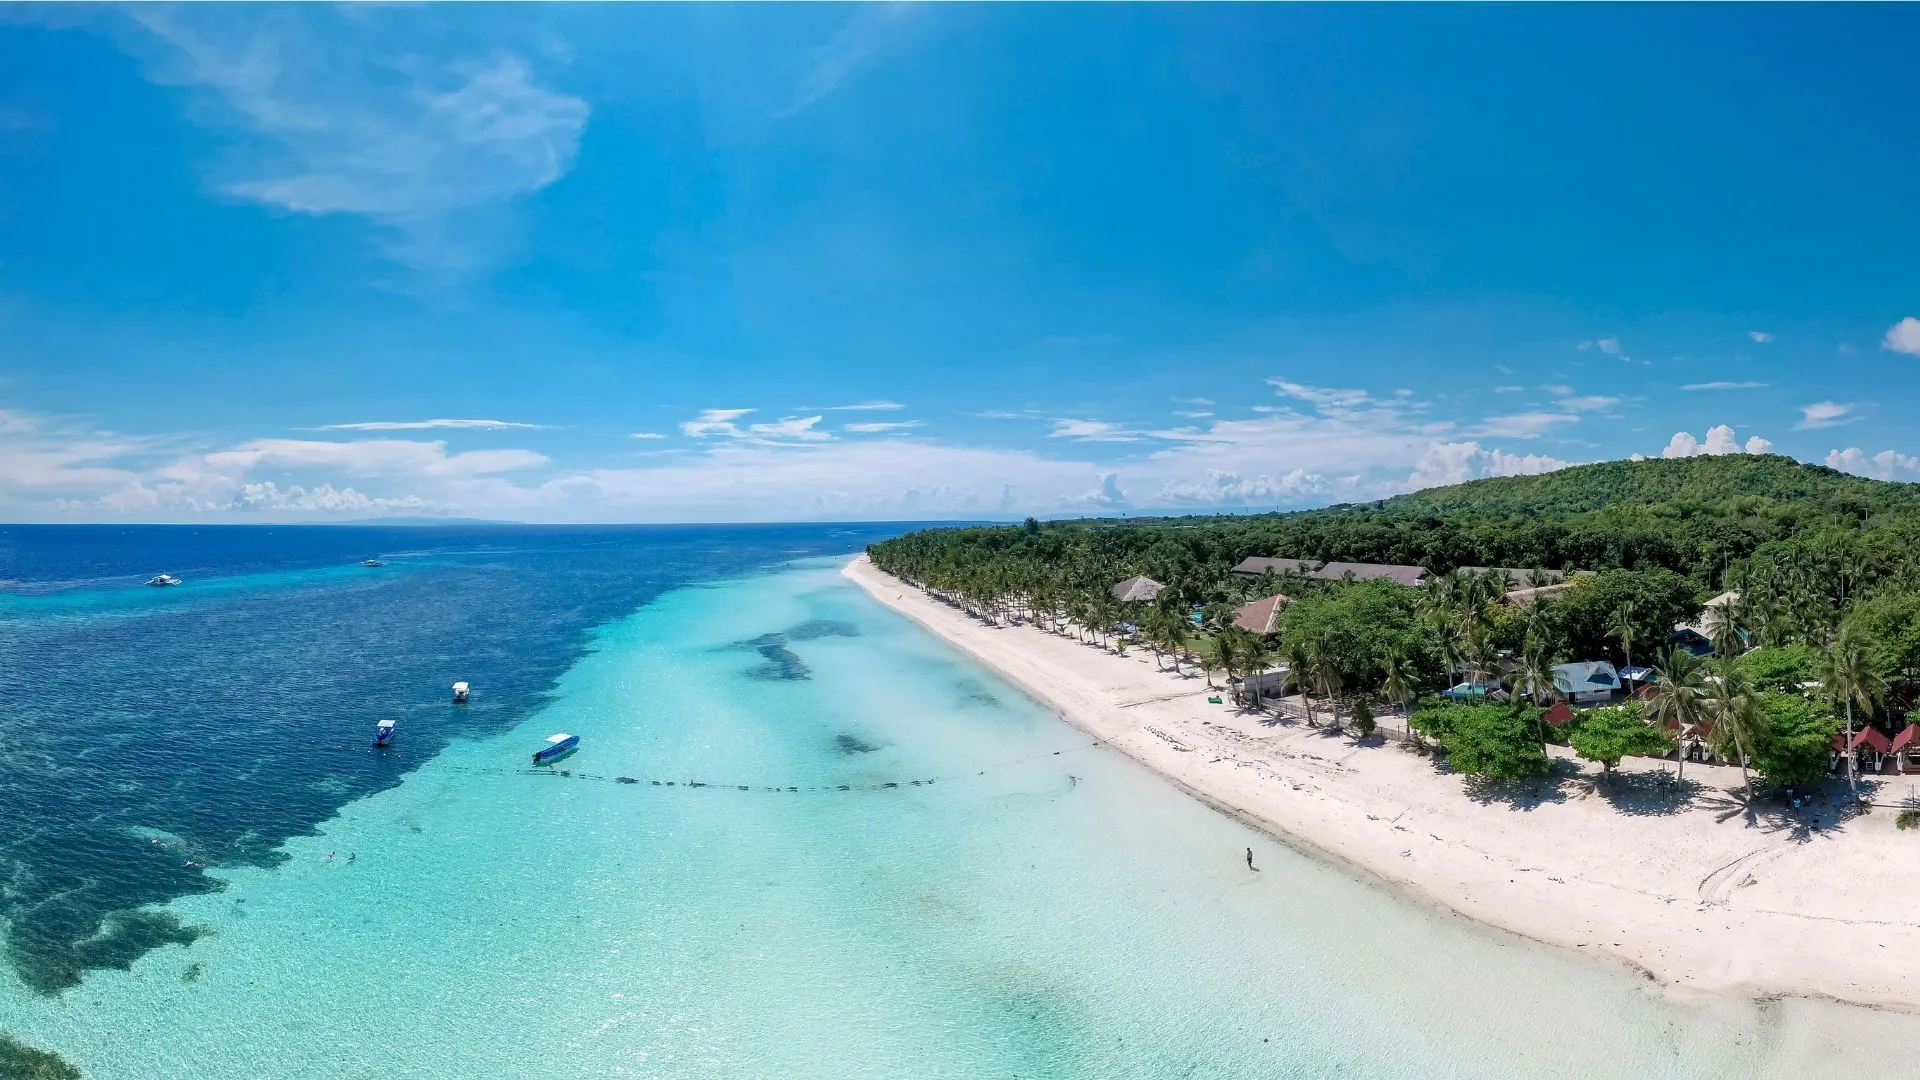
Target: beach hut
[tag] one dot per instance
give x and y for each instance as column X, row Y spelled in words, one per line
column 1256, row 566
column 1262, row 616
column 1867, row 740
column 1586, row 680
column 1138, row 590
column 1906, row 749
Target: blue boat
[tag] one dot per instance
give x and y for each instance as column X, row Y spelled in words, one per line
column 558, row 746
column 383, row 734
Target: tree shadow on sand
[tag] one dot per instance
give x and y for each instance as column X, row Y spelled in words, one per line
column 1647, row 794
column 1528, row 794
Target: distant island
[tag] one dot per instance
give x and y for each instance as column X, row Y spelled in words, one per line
column 1686, row 670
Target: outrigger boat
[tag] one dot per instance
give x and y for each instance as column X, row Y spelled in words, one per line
column 371, row 562
column 460, row 692
column 163, row 579
column 558, row 746
column 383, row 734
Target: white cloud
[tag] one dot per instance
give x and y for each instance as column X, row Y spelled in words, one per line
column 646, row 435
column 1192, row 414
column 1760, row 336
column 1724, row 386
column 1458, row 462
column 1903, row 337
column 875, row 429
column 869, row 33
column 867, row 406
column 1321, row 397
column 1610, row 346
column 1092, row 431
column 343, row 120
column 1720, row 440
column 801, row 428
column 1526, row 425
column 1885, row 465
column 423, row 425
column 1587, row 403
column 1826, row 414
column 713, row 422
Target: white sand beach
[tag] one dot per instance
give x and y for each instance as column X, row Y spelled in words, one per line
column 1695, row 896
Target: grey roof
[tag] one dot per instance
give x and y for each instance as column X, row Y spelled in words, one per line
column 1520, row 577
column 1261, row 616
column 1140, row 589
column 1404, row 575
column 1255, row 565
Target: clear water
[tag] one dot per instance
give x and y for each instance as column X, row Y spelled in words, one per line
column 1041, row 909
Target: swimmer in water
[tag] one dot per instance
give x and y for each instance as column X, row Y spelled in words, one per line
column 330, row 855
column 352, row 855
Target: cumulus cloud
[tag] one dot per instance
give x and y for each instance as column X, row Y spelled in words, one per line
column 340, row 119
column 1459, row 462
column 1719, row 440
column 425, row 425
column 1826, row 414
column 1885, row 465
column 1903, row 337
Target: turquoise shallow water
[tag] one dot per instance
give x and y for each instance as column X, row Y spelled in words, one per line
column 1042, row 909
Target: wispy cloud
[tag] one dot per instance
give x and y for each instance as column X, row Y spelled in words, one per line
column 1694, row 387
column 1760, row 337
column 646, row 435
column 343, row 120
column 1610, row 346
column 1093, row 431
column 713, row 422
column 428, row 425
column 878, row 428
column 867, row 406
column 1826, row 414
column 867, row 35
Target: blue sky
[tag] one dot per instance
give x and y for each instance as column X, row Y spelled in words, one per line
column 772, row 262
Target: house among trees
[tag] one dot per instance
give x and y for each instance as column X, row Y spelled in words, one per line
column 1262, row 616
column 1138, row 590
column 1586, row 680
column 1528, row 584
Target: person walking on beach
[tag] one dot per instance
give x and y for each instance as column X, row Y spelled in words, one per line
column 1249, row 858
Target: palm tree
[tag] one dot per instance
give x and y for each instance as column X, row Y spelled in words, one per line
column 1624, row 628
column 1299, row 669
column 1849, row 678
column 1736, row 709
column 1680, row 696
column 1397, row 684
column 1723, row 629
column 1206, row 652
column 1325, row 668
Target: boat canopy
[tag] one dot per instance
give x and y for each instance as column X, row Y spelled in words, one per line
column 459, row 688
column 385, row 724
column 563, row 737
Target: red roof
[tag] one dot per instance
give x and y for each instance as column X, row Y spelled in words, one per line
column 1906, row 737
column 1559, row 714
column 1870, row 736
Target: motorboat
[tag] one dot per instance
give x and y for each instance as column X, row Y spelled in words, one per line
column 383, row 734
column 163, row 579
column 460, row 692
column 558, row 746
column 371, row 562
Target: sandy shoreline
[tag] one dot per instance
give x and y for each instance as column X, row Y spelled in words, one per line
column 1695, row 898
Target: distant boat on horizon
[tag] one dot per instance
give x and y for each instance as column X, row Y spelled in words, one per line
column 159, row 580
column 371, row 562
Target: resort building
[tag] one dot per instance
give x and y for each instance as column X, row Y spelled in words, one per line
column 1138, row 590
column 1523, row 593
column 1587, row 680
column 1262, row 616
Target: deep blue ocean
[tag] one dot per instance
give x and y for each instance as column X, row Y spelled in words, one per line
column 150, row 734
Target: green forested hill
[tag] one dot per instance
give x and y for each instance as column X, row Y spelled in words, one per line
column 1731, row 480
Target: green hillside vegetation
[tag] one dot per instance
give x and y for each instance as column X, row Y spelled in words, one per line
column 1818, row 557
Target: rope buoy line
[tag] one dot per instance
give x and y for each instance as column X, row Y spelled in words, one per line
column 689, row 785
